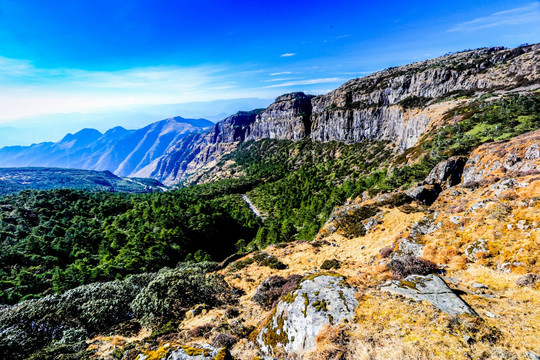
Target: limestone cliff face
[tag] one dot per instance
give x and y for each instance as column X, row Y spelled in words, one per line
column 287, row 118
column 396, row 104
column 374, row 107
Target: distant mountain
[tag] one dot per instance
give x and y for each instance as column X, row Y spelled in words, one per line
column 118, row 150
column 16, row 179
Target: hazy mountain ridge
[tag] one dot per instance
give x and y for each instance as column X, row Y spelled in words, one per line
column 118, row 150
column 397, row 104
column 13, row 180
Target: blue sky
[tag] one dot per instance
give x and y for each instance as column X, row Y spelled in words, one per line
column 90, row 56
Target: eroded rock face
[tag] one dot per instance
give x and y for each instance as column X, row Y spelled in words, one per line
column 429, row 288
column 447, row 173
column 378, row 106
column 288, row 118
column 198, row 150
column 299, row 317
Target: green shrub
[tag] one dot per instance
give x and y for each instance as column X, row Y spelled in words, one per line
column 414, row 102
column 330, row 264
column 351, row 224
column 173, row 291
column 261, row 259
column 411, row 265
column 66, row 318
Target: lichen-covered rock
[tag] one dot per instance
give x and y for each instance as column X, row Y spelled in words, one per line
column 476, row 247
column 408, row 247
column 298, row 318
column 205, row 352
column 430, row 288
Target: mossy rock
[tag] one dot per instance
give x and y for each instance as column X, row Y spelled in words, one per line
column 319, row 300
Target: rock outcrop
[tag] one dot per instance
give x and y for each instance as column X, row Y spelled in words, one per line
column 288, row 118
column 382, row 106
column 518, row 156
column 430, row 288
column 197, row 151
column 298, row 318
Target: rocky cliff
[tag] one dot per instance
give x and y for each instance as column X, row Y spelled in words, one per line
column 397, row 104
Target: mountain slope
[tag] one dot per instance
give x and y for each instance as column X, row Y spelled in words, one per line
column 13, row 180
column 398, row 104
column 120, row 151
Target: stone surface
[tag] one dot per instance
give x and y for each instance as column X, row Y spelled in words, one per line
column 407, row 247
column 478, row 246
column 426, row 194
column 297, row 319
column 429, row 288
column 447, row 173
column 287, row 118
column 503, row 159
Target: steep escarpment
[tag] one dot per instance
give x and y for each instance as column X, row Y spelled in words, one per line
column 398, row 105
column 288, row 118
column 380, row 106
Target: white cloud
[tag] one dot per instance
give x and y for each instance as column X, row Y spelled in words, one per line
column 279, row 79
column 281, row 73
column 529, row 14
column 307, row 82
column 288, row 54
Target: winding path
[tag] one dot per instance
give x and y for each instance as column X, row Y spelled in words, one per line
column 251, row 206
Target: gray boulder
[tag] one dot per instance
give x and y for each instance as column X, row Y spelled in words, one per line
column 432, row 289
column 447, row 173
column 319, row 300
column 409, row 247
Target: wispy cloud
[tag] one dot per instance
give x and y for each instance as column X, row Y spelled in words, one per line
column 280, row 79
column 306, row 82
column 281, row 73
column 28, row 90
column 288, row 54
column 522, row 15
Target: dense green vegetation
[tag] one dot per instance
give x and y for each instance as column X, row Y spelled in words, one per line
column 301, row 182
column 56, row 240
column 59, row 323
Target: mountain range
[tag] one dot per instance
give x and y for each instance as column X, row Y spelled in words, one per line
column 121, row 151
